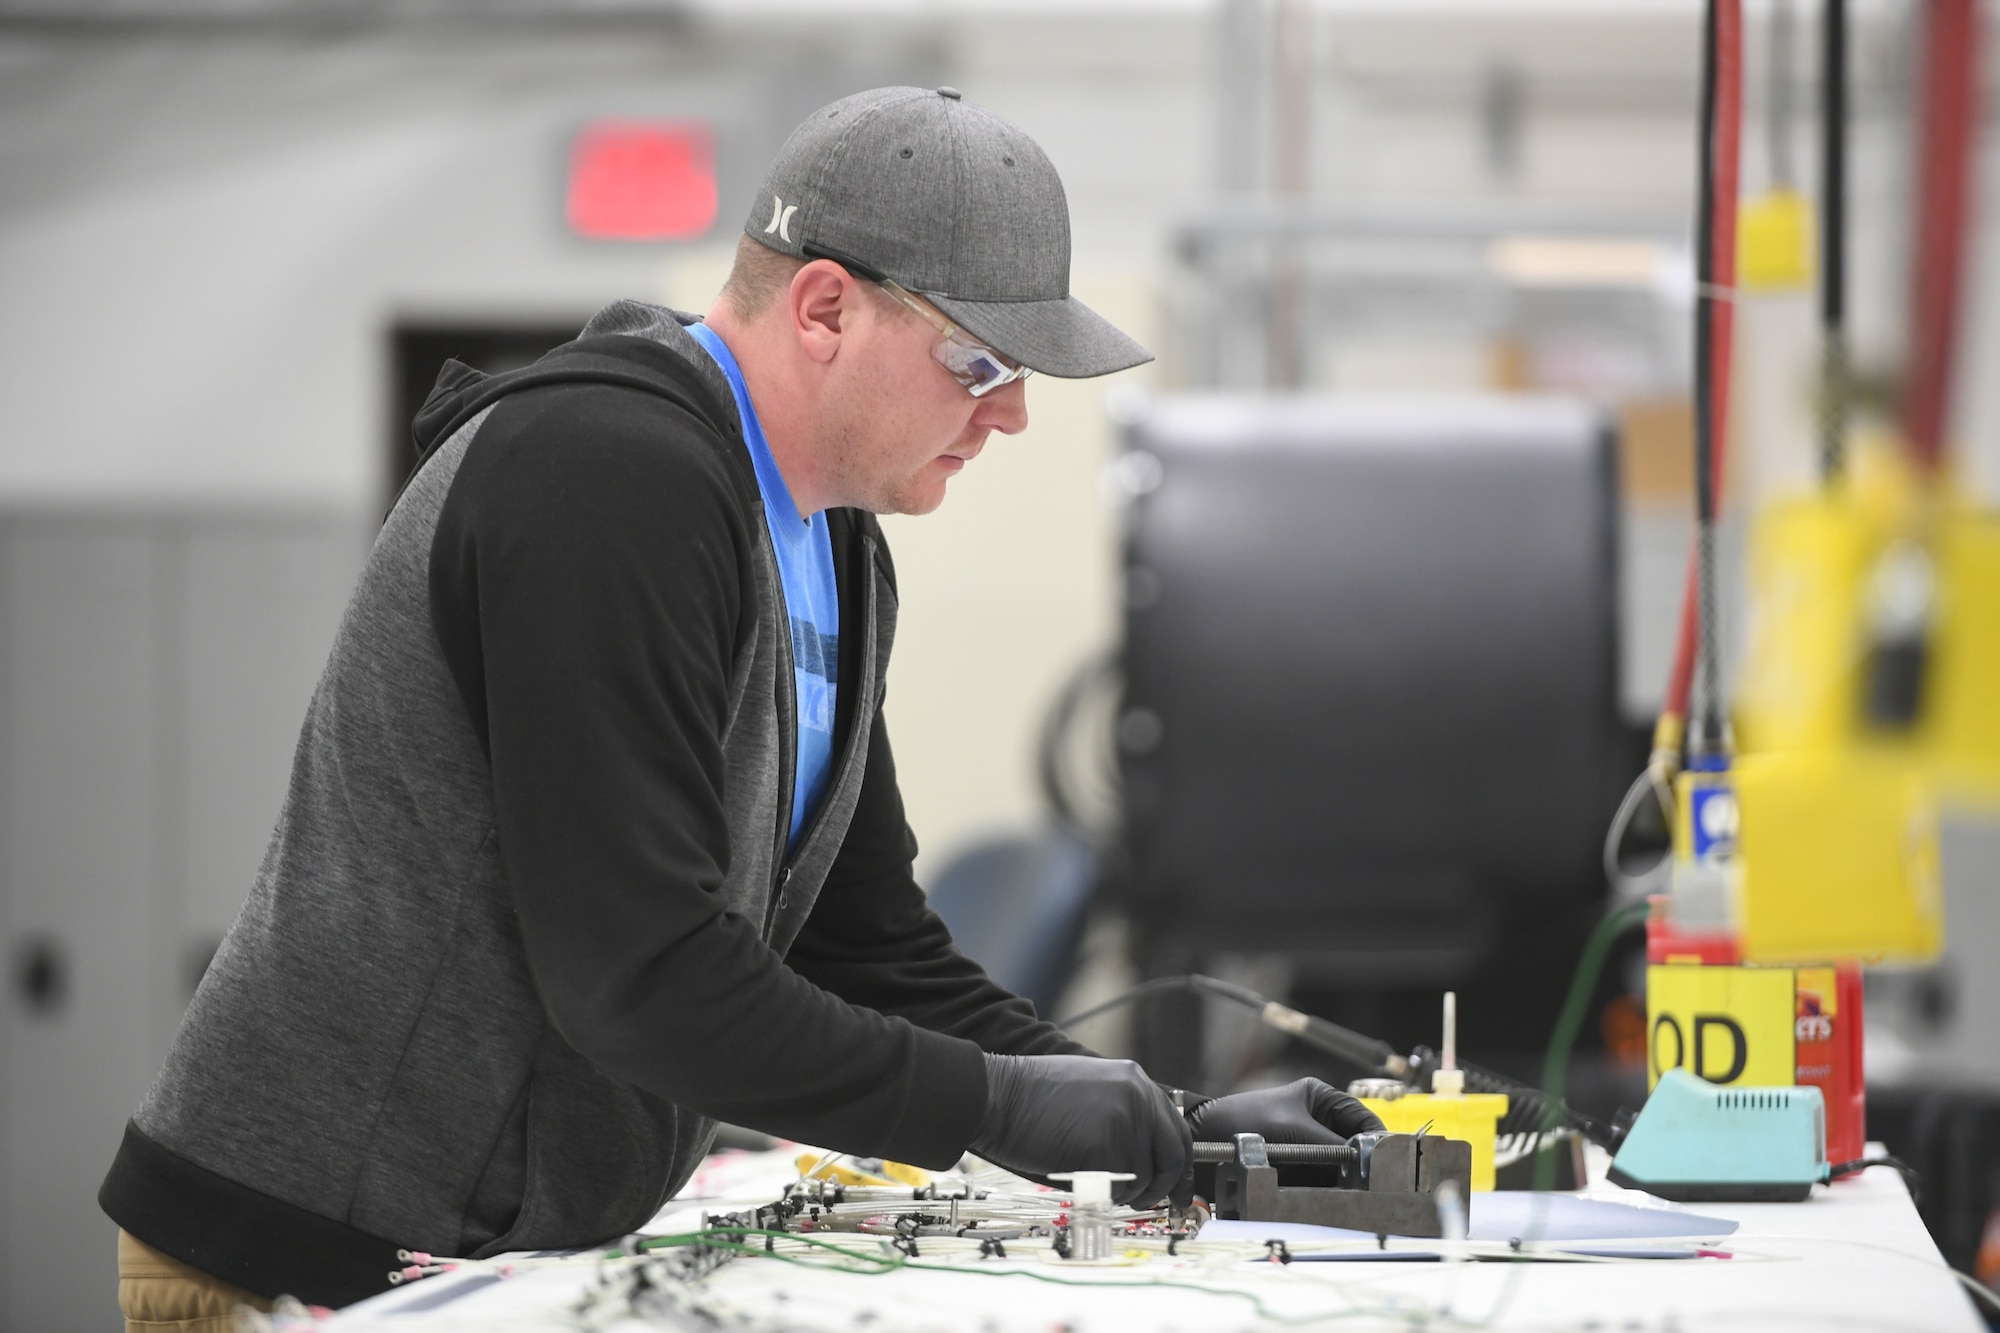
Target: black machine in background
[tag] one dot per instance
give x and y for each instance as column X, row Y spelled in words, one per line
column 1370, row 715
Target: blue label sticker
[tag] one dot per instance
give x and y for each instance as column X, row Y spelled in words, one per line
column 1713, row 806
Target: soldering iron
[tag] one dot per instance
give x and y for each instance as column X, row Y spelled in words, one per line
column 1528, row 1110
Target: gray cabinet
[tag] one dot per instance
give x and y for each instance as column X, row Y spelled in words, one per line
column 154, row 669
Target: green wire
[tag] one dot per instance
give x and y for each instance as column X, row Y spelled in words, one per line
column 880, row 1264
column 1555, row 1067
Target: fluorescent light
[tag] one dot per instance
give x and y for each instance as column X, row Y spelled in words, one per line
column 1550, row 261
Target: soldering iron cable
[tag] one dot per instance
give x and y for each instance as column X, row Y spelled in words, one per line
column 1714, row 329
column 1368, row 1052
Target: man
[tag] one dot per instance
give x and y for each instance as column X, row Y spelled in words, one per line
column 593, row 834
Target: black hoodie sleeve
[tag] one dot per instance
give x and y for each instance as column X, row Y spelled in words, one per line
column 589, row 590
column 872, row 940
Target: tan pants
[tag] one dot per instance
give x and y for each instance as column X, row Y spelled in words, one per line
column 160, row 1294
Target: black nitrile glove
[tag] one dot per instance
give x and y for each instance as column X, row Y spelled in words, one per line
column 1307, row 1111
column 1079, row 1113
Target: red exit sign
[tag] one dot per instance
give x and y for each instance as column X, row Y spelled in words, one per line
column 632, row 180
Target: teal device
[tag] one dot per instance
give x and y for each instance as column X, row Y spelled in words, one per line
column 1696, row 1142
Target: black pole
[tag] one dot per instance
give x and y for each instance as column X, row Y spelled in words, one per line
column 1833, row 241
column 1706, row 737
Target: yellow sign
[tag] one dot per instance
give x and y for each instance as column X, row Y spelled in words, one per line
column 1725, row 1024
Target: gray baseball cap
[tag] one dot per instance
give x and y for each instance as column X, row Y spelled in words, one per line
column 947, row 199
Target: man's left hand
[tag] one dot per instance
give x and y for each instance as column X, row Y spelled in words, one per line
column 1306, row 1111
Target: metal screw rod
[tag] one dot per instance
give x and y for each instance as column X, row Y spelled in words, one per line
column 1286, row 1154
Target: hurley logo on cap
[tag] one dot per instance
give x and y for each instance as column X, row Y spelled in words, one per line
column 781, row 218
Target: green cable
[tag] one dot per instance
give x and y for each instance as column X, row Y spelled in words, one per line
column 1555, row 1066
column 880, row 1264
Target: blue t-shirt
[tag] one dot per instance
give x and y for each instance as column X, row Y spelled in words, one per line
column 812, row 598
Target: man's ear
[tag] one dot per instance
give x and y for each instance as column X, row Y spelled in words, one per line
column 822, row 299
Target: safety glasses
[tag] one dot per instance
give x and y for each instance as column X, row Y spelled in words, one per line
column 971, row 362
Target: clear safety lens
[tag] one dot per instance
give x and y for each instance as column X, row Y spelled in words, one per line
column 979, row 369
column 973, row 364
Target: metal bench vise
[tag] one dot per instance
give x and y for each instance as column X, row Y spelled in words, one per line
column 1388, row 1183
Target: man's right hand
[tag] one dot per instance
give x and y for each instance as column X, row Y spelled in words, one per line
column 1079, row 1113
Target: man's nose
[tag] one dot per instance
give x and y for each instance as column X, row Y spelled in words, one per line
column 1005, row 409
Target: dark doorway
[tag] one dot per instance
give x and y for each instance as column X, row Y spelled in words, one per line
column 419, row 351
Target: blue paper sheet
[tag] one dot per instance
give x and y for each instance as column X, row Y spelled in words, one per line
column 1506, row 1215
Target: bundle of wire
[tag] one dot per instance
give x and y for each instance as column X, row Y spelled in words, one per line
column 964, row 1207
column 665, row 1279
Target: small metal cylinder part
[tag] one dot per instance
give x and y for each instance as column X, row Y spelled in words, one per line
column 1377, row 1089
column 1090, row 1230
column 1090, row 1211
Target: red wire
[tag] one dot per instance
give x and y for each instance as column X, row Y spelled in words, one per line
column 1950, row 68
column 1728, row 154
column 1722, row 312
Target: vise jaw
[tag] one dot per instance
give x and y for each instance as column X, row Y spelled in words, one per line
column 1388, row 1182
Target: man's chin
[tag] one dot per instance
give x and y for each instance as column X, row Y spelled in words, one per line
column 920, row 498
column 924, row 503
column 914, row 500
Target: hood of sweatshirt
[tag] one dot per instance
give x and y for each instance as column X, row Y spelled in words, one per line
column 633, row 343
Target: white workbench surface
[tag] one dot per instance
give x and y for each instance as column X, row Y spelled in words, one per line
column 1855, row 1256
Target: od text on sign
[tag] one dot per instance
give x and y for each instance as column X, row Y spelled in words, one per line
column 1754, row 1026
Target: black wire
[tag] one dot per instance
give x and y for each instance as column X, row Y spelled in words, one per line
column 1125, row 997
column 1909, row 1173
column 1708, row 731
column 1833, row 166
column 1833, row 241
column 1528, row 1112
